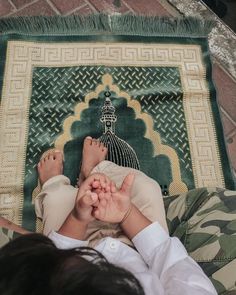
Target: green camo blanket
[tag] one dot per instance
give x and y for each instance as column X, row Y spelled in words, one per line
column 205, row 221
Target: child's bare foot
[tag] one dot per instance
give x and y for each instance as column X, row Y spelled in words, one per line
column 50, row 165
column 93, row 153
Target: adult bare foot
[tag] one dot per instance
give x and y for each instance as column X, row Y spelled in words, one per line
column 93, row 153
column 50, row 165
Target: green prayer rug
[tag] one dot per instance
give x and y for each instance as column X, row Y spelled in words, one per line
column 142, row 85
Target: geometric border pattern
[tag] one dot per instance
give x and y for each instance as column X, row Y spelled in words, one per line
column 23, row 56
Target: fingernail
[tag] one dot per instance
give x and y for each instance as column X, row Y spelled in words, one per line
column 94, row 196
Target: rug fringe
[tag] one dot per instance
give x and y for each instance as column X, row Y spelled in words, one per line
column 108, row 24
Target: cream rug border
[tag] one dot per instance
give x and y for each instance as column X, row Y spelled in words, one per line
column 23, row 56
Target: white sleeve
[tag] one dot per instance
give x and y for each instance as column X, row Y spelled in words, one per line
column 167, row 257
column 63, row 242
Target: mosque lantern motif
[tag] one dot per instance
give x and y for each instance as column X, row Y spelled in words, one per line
column 108, row 114
column 119, row 151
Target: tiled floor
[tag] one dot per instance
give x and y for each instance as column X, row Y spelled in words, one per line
column 225, row 85
column 67, row 7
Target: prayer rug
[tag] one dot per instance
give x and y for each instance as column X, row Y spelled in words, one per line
column 142, row 85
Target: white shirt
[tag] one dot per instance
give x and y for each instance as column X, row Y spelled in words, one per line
column 161, row 265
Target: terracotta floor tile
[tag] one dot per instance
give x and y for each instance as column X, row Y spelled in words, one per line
column 226, row 89
column 110, row 6
column 5, row 7
column 232, row 150
column 20, row 3
column 83, row 10
column 40, row 7
column 149, row 7
column 65, row 6
column 229, row 127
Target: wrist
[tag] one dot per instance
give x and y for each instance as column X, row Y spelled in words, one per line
column 126, row 215
column 134, row 223
column 73, row 227
column 75, row 215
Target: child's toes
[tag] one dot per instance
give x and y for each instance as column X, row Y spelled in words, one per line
column 103, row 202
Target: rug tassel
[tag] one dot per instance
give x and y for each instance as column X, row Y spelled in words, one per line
column 107, row 24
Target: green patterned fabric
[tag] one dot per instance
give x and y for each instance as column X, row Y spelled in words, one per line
column 6, row 235
column 205, row 222
column 165, row 81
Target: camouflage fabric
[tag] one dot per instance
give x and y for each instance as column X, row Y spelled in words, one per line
column 205, row 222
column 6, row 235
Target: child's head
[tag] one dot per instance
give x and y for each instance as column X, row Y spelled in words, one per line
column 32, row 265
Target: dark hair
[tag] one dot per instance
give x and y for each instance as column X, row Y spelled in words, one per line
column 33, row 265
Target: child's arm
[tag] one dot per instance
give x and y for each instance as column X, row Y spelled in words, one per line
column 168, row 259
column 165, row 256
column 12, row 226
column 134, row 222
column 75, row 225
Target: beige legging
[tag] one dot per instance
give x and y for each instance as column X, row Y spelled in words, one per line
column 57, row 198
